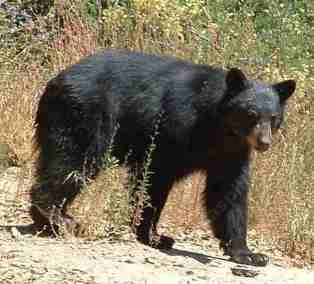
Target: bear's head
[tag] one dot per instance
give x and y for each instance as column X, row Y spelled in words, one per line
column 254, row 110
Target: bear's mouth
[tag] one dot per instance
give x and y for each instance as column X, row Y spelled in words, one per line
column 257, row 144
column 261, row 147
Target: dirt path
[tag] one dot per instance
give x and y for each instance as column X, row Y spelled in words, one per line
column 25, row 258
column 41, row 260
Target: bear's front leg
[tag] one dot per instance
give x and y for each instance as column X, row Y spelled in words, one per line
column 240, row 253
column 146, row 230
column 146, row 216
column 227, row 206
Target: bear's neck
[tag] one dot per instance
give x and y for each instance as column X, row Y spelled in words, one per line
column 233, row 145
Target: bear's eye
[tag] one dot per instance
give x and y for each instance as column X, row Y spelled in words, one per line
column 252, row 115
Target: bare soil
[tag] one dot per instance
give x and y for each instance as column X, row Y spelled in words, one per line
column 25, row 258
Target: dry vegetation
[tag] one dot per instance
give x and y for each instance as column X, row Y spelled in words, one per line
column 282, row 188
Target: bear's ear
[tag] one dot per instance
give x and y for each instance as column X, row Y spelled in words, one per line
column 236, row 80
column 285, row 89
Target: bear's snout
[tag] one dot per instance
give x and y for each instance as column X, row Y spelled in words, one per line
column 261, row 137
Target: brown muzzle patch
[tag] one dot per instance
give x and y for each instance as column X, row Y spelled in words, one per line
column 260, row 137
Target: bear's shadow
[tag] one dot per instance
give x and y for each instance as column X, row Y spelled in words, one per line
column 30, row 229
column 200, row 257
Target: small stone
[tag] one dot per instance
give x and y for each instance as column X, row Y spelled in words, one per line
column 189, row 272
column 244, row 272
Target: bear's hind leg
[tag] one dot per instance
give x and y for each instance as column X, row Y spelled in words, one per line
column 68, row 156
column 49, row 201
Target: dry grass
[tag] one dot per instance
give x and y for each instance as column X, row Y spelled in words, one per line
column 103, row 208
column 282, row 187
column 17, row 106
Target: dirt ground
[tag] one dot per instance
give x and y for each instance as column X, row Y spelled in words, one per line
column 25, row 258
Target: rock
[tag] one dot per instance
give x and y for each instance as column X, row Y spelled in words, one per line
column 244, row 272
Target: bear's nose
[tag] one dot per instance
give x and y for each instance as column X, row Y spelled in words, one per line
column 264, row 138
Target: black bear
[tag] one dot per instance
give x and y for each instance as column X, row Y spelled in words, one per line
column 210, row 119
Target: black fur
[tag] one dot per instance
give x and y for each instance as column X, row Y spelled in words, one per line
column 209, row 119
